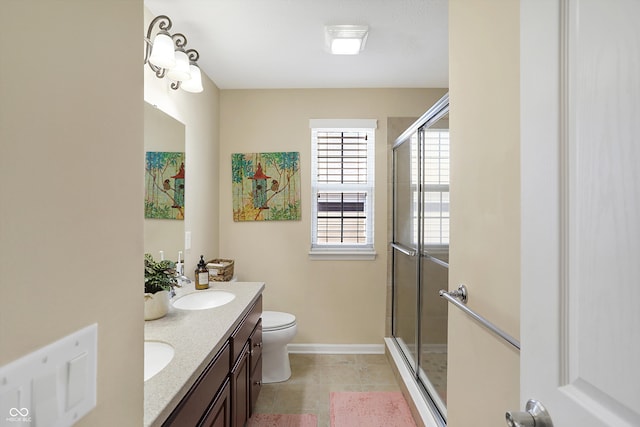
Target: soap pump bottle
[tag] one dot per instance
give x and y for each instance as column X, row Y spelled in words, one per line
column 202, row 274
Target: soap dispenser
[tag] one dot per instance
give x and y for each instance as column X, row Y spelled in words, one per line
column 202, row 274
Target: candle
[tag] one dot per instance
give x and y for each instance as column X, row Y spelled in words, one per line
column 161, row 255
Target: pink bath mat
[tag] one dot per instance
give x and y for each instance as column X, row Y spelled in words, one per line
column 283, row 420
column 370, row 409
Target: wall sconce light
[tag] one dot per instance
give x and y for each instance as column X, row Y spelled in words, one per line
column 345, row 39
column 167, row 57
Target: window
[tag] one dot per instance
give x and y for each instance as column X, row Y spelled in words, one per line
column 342, row 190
column 436, row 188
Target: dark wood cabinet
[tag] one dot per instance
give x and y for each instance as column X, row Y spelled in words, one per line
column 219, row 414
column 226, row 392
column 202, row 394
column 240, row 389
column 255, row 355
column 244, row 394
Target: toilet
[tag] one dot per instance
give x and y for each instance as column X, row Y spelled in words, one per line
column 278, row 329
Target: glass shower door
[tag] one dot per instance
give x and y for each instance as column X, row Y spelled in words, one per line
column 405, row 248
column 421, row 251
column 434, row 257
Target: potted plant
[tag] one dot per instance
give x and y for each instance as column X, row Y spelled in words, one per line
column 159, row 280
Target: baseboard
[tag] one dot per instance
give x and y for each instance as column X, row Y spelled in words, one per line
column 336, row 348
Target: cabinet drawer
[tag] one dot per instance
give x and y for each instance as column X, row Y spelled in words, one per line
column 193, row 406
column 241, row 335
column 256, row 345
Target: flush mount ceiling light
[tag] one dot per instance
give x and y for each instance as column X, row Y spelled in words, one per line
column 345, row 39
column 167, row 57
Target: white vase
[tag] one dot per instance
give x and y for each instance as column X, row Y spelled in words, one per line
column 156, row 305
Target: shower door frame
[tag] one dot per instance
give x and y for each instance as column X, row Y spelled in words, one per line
column 437, row 111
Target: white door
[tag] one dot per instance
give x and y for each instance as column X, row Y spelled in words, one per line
column 580, row 128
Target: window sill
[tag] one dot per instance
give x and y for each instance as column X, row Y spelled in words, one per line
column 338, row 254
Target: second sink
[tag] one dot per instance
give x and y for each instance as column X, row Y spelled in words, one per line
column 201, row 300
column 157, row 356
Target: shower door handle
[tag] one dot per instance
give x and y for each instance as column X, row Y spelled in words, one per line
column 404, row 249
column 536, row 416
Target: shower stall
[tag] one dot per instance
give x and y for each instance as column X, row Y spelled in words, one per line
column 420, row 252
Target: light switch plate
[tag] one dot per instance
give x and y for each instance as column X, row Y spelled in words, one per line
column 187, row 241
column 54, row 385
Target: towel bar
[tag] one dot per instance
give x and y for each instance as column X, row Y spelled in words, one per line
column 459, row 297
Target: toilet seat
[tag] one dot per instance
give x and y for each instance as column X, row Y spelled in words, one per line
column 277, row 320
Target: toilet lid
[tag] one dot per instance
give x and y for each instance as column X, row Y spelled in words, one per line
column 274, row 320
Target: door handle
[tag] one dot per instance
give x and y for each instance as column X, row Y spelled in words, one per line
column 536, row 416
column 404, row 249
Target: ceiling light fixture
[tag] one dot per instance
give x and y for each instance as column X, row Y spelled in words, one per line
column 345, row 39
column 167, row 57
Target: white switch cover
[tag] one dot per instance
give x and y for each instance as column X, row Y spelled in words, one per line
column 10, row 405
column 44, row 400
column 54, row 385
column 187, row 241
column 77, row 380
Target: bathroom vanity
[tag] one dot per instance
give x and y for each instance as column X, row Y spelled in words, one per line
column 215, row 375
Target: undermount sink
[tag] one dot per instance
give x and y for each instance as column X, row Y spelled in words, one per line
column 201, row 300
column 157, row 356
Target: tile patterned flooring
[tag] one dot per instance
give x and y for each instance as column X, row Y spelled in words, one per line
column 435, row 367
column 314, row 376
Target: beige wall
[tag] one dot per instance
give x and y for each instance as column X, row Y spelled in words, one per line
column 71, row 131
column 336, row 302
column 199, row 112
column 483, row 375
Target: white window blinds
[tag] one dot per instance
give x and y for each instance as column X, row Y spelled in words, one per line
column 343, row 186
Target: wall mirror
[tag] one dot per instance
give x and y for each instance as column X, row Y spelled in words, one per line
column 163, row 133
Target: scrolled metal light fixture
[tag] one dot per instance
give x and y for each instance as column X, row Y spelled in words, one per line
column 167, row 56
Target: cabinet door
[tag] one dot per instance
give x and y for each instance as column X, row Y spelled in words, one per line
column 240, row 389
column 256, row 366
column 256, row 385
column 219, row 414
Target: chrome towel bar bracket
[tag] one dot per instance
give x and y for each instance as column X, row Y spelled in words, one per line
column 460, row 293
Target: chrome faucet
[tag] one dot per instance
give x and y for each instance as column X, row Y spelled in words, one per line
column 181, row 280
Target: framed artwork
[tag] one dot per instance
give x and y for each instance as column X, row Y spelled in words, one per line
column 164, row 185
column 266, row 186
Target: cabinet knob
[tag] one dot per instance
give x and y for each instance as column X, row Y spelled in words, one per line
column 258, row 383
column 258, row 344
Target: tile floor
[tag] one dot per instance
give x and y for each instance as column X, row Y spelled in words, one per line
column 435, row 367
column 314, row 376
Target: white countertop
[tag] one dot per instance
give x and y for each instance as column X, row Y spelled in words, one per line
column 196, row 336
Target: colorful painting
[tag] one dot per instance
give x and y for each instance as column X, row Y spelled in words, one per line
column 164, row 185
column 266, row 186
